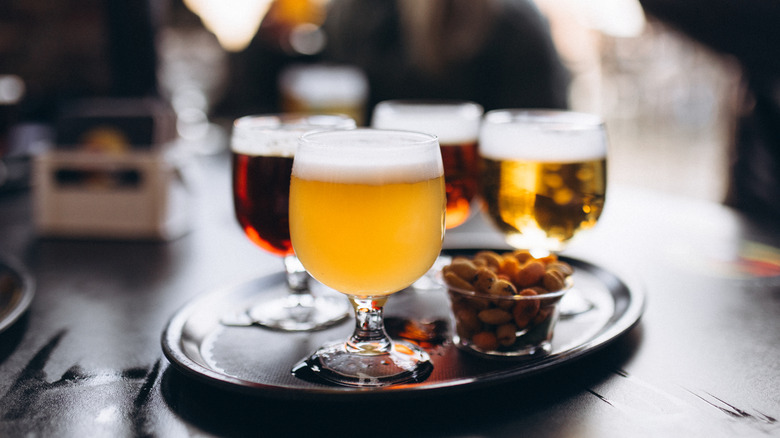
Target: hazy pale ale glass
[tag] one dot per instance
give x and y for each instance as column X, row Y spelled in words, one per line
column 340, row 225
column 262, row 149
column 543, row 175
column 367, row 231
column 456, row 124
column 367, row 219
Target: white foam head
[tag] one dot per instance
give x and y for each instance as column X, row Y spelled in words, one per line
column 277, row 134
column 324, row 84
column 549, row 136
column 453, row 122
column 368, row 156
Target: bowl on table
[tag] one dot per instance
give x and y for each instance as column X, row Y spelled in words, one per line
column 506, row 305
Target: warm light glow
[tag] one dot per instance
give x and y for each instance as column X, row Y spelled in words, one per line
column 616, row 18
column 234, row 22
column 11, row 89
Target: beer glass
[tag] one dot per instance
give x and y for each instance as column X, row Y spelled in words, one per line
column 456, row 123
column 367, row 219
column 543, row 180
column 262, row 149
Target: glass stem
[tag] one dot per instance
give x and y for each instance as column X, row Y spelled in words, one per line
column 300, row 298
column 369, row 336
column 297, row 277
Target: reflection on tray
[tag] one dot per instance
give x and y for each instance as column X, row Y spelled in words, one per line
column 424, row 334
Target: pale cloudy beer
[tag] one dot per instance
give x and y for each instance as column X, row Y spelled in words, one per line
column 542, row 175
column 367, row 217
column 456, row 124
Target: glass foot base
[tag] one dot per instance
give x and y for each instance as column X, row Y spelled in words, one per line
column 299, row 312
column 524, row 351
column 405, row 363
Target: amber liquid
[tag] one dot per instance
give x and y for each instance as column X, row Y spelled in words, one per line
column 541, row 205
column 367, row 239
column 460, row 180
column 261, row 193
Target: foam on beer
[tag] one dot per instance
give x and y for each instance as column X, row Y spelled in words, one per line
column 278, row 137
column 270, row 142
column 369, row 159
column 450, row 129
column 526, row 142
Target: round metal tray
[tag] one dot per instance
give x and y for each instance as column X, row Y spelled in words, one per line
column 16, row 293
column 255, row 360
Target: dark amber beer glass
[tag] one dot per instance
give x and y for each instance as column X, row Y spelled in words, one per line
column 263, row 148
column 260, row 195
column 456, row 124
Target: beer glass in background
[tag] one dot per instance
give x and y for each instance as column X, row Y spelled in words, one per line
column 324, row 88
column 262, row 148
column 367, row 219
column 543, row 180
column 456, row 124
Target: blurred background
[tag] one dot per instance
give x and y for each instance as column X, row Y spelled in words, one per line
column 668, row 101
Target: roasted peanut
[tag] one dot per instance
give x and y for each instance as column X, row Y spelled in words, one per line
column 486, row 341
column 468, row 320
column 494, row 316
column 522, row 255
column 562, row 267
column 479, row 263
column 463, row 268
column 525, row 310
column 546, row 260
column 542, row 315
column 491, row 259
column 484, row 279
column 455, row 281
column 530, row 274
column 509, row 267
column 506, row 334
column 553, row 280
column 479, row 303
column 502, row 287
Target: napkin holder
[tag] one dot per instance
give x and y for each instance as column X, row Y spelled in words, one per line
column 114, row 174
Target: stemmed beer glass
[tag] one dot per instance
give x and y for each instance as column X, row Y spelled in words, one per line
column 543, row 180
column 456, row 124
column 367, row 219
column 263, row 147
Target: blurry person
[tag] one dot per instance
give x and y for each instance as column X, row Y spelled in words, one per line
column 498, row 53
column 748, row 31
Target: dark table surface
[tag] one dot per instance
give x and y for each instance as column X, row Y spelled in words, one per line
column 704, row 360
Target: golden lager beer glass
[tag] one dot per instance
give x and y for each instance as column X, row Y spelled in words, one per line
column 262, row 150
column 543, row 176
column 367, row 219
